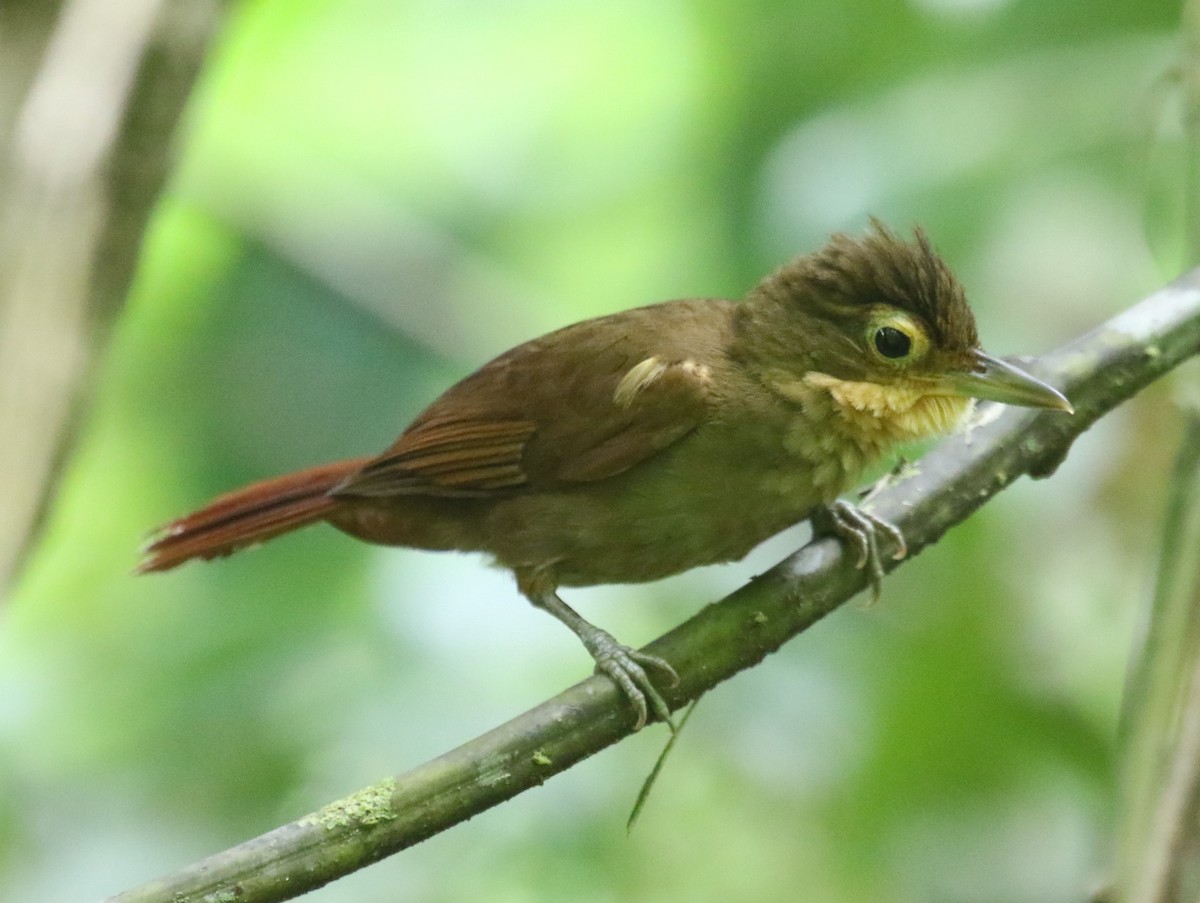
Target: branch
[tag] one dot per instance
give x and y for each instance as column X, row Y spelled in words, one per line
column 1098, row 372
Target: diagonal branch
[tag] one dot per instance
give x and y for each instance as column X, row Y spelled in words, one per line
column 1098, row 372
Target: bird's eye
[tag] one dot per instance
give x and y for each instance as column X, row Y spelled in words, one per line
column 895, row 338
column 891, row 342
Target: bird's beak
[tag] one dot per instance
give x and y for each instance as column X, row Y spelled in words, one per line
column 995, row 380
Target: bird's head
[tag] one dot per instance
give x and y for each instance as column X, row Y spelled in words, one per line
column 880, row 326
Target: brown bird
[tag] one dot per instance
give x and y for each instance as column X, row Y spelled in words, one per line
column 637, row 445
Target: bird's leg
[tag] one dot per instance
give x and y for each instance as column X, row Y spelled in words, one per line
column 620, row 663
column 861, row 529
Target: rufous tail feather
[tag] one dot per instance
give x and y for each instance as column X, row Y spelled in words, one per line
column 248, row 516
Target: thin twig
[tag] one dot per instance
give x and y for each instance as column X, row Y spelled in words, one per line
column 1160, row 724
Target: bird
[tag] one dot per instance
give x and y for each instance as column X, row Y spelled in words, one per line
column 641, row 444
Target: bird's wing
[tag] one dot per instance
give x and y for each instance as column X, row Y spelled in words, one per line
column 580, row 404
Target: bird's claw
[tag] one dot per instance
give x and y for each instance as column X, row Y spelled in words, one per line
column 624, row 666
column 627, row 669
column 861, row 529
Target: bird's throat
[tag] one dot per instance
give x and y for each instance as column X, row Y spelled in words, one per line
column 869, row 413
column 840, row 427
column 893, row 413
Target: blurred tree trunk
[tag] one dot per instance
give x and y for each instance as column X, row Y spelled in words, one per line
column 91, row 92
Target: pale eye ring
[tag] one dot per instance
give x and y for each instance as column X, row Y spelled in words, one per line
column 892, row 343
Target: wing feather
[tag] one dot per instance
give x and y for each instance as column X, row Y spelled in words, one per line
column 582, row 404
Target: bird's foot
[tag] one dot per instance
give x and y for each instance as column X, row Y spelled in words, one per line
column 627, row 669
column 861, row 529
column 624, row 666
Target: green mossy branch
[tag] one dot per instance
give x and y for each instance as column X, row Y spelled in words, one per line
column 1097, row 371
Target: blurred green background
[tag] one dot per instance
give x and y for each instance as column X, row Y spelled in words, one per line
column 375, row 197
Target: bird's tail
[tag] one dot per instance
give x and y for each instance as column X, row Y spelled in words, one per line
column 248, row 516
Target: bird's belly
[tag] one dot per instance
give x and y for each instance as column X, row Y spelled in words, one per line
column 710, row 499
column 646, row 526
